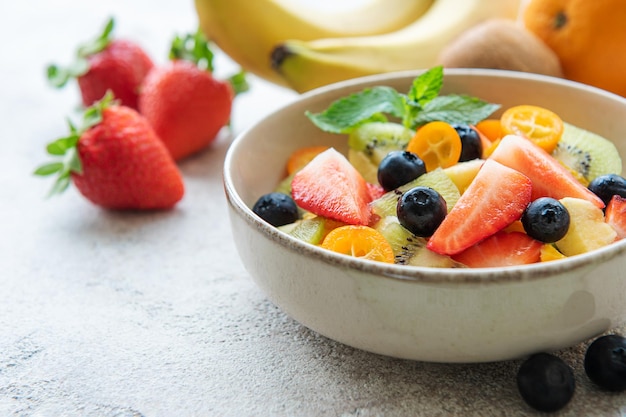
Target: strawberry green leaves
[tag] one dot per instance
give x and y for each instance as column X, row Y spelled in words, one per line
column 65, row 148
column 421, row 105
column 195, row 47
column 58, row 76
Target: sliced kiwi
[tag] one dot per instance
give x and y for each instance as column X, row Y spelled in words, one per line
column 284, row 186
column 311, row 228
column 409, row 249
column 369, row 143
column 435, row 179
column 587, row 154
column 364, row 165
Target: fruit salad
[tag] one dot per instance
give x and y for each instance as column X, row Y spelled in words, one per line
column 444, row 183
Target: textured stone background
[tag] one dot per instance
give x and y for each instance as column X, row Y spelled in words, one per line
column 112, row 314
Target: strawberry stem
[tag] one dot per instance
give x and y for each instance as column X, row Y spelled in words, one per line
column 196, row 48
column 58, row 76
column 193, row 47
column 65, row 147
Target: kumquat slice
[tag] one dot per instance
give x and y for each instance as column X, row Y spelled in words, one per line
column 438, row 144
column 540, row 125
column 491, row 128
column 360, row 242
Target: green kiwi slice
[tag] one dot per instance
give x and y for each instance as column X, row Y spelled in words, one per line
column 435, row 179
column 369, row 143
column 409, row 249
column 588, row 154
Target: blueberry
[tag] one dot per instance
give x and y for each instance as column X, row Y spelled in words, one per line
column 605, row 362
column 398, row 168
column 277, row 209
column 421, row 210
column 545, row 382
column 546, row 220
column 606, row 186
column 471, row 145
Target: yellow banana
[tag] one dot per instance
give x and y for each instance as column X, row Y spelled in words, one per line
column 248, row 30
column 307, row 65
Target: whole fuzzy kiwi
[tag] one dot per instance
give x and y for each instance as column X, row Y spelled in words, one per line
column 501, row 44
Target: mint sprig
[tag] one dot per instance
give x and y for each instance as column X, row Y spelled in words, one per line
column 422, row 104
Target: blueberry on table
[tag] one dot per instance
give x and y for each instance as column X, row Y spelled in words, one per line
column 421, row 210
column 606, row 186
column 277, row 209
column 605, row 362
column 545, row 382
column 398, row 168
column 546, row 219
column 471, row 145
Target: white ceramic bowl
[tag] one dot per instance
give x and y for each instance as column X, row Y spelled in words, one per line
column 427, row 314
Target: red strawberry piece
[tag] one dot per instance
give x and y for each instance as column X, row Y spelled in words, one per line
column 116, row 161
column 376, row 191
column 549, row 177
column 615, row 215
column 118, row 65
column 330, row 186
column 186, row 106
column 183, row 102
column 496, row 197
column 501, row 249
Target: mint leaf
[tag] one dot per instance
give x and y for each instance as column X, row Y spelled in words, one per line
column 345, row 114
column 426, row 86
column 453, row 108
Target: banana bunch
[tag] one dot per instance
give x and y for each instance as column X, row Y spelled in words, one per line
column 249, row 30
column 306, row 48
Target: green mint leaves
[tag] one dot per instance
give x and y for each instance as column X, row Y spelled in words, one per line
column 421, row 105
column 58, row 77
column 65, row 148
column 368, row 105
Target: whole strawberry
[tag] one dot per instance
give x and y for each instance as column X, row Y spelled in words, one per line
column 184, row 103
column 104, row 64
column 116, row 161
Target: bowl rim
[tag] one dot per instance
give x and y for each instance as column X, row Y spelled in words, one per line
column 409, row 273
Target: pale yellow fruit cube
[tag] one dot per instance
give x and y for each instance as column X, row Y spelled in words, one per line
column 587, row 230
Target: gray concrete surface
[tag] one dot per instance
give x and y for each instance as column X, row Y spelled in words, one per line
column 120, row 314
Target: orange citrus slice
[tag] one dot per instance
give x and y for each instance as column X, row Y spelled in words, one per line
column 535, row 123
column 360, row 242
column 438, row 144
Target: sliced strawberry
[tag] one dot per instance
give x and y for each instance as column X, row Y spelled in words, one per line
column 375, row 190
column 330, row 186
column 501, row 249
column 615, row 215
column 496, row 198
column 549, row 177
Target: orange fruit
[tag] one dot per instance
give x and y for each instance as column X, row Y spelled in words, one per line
column 491, row 128
column 359, row 241
column 540, row 125
column 438, row 144
column 588, row 36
